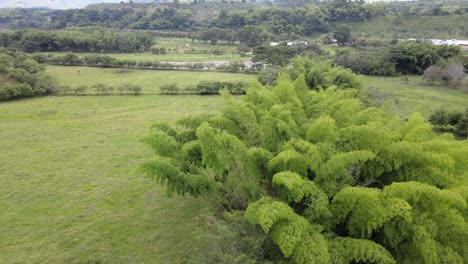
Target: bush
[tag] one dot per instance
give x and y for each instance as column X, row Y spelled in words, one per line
column 450, row 121
column 22, row 76
column 16, row 90
column 214, row 87
column 433, row 74
column 129, row 89
column 169, row 88
column 454, row 74
column 367, row 64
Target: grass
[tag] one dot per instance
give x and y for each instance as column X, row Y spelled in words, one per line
column 178, row 50
column 70, row 192
column 182, row 45
column 414, row 95
column 149, row 80
column 172, row 57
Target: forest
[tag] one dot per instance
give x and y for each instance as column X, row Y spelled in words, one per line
column 235, row 132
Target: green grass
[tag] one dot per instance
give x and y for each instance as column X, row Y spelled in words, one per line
column 414, row 95
column 181, row 45
column 453, row 26
column 178, row 50
column 144, row 57
column 70, row 192
column 149, row 80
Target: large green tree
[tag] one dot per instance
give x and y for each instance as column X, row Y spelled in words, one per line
column 328, row 179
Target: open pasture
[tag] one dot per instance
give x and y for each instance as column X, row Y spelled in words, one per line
column 149, row 80
column 170, row 57
column 70, row 189
column 413, row 95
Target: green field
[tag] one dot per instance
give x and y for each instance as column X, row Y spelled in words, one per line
column 178, row 50
column 149, row 80
column 414, row 95
column 144, row 57
column 70, row 192
column 183, row 45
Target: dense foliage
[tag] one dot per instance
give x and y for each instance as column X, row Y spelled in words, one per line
column 405, row 57
column 286, row 20
column 414, row 57
column 326, row 178
column 79, row 40
column 22, row 76
column 106, row 61
column 451, row 121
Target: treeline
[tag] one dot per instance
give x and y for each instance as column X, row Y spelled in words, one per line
column 205, row 88
column 105, row 61
column 21, row 76
column 404, row 57
column 300, row 21
column 202, row 88
column 78, row 40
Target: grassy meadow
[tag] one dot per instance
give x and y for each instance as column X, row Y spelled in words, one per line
column 150, row 57
column 149, row 80
column 184, row 45
column 177, row 50
column 413, row 95
column 70, row 190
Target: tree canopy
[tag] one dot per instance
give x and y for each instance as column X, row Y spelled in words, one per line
column 326, row 178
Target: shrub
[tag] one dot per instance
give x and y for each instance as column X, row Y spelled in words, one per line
column 433, row 74
column 22, row 76
column 16, row 90
column 454, row 74
column 171, row 88
column 367, row 64
column 214, row 87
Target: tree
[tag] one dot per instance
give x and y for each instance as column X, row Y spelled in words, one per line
column 326, row 178
column 342, row 34
column 413, row 57
column 433, row 74
column 454, row 74
column 276, row 56
column 252, row 36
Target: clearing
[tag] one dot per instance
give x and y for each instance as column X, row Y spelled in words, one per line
column 149, row 80
column 70, row 191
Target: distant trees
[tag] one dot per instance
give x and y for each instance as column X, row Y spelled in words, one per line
column 252, row 36
column 342, row 34
column 301, row 18
column 205, row 88
column 413, row 57
column 276, row 56
column 453, row 74
column 369, row 64
column 79, row 40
